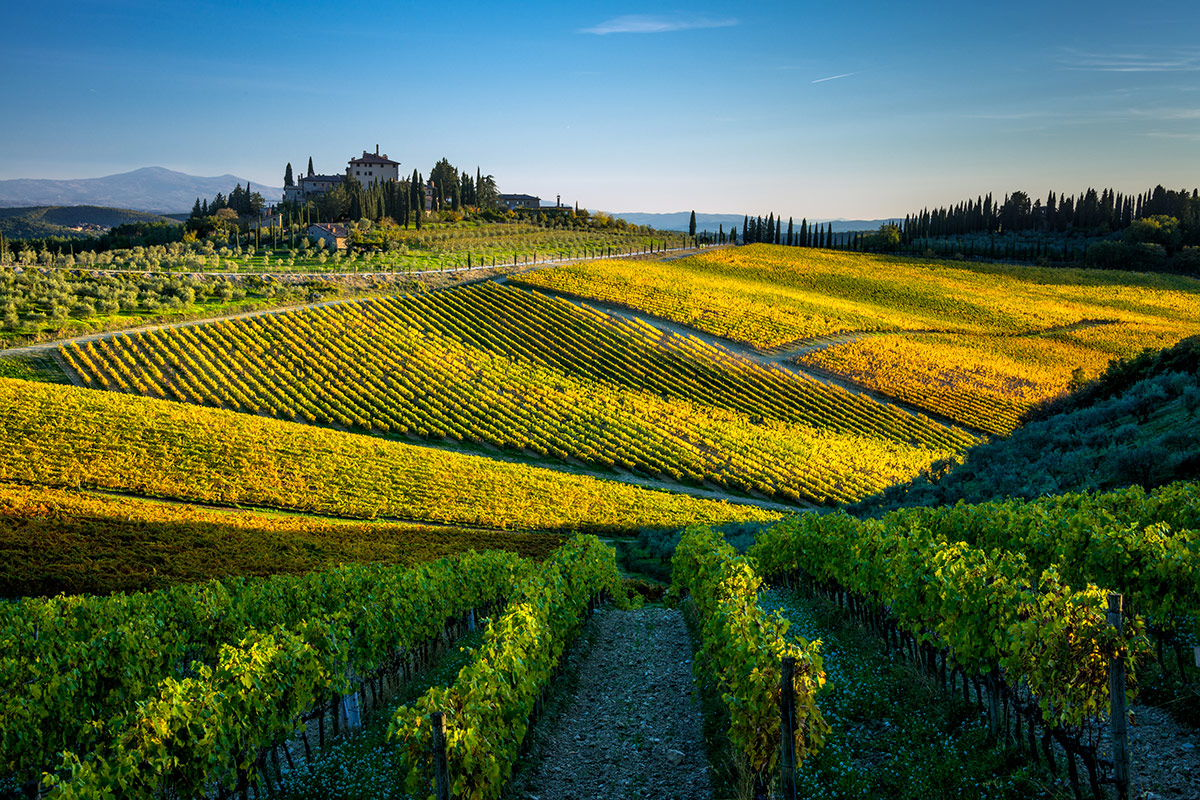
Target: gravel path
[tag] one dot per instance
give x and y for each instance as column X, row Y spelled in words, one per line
column 632, row 727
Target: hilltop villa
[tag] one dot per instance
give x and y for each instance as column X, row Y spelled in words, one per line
column 367, row 169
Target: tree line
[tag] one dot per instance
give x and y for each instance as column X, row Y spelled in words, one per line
column 243, row 202
column 770, row 231
column 1090, row 213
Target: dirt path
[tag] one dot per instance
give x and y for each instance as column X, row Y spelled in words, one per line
column 632, row 727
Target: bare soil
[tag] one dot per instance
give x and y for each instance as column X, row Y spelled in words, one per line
column 625, row 721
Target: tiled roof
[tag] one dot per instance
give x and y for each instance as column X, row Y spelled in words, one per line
column 372, row 158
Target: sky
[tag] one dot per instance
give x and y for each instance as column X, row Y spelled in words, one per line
column 858, row 110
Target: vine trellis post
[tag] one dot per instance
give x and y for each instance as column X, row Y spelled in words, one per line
column 441, row 770
column 787, row 728
column 1119, row 715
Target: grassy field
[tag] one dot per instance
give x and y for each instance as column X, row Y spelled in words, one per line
column 1008, row 336
column 540, row 377
column 61, row 540
column 76, row 438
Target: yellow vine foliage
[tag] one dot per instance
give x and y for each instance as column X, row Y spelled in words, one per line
column 978, row 343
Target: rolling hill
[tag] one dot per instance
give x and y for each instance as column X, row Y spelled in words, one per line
column 154, row 189
column 37, row 222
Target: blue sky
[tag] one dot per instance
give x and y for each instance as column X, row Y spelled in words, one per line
column 852, row 109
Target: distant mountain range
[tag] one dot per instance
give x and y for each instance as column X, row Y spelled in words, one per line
column 152, row 189
column 678, row 221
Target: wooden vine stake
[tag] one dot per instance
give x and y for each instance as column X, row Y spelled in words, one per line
column 1119, row 715
column 787, row 728
column 441, row 770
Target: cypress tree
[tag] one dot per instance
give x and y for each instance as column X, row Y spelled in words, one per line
column 692, row 224
column 803, row 232
column 310, row 169
column 790, row 234
column 745, row 229
column 288, row 180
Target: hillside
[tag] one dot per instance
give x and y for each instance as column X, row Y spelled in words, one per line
column 73, row 541
column 153, row 189
column 977, row 343
column 39, row 222
column 77, row 438
column 537, row 377
column 1138, row 424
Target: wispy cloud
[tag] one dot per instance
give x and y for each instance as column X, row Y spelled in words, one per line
column 650, row 23
column 1015, row 115
column 1187, row 137
column 1132, row 62
column 1166, row 114
column 836, row 77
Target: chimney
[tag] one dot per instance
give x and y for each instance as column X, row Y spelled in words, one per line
column 376, row 149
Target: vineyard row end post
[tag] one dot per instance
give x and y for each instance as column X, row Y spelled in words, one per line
column 787, row 728
column 1118, row 713
column 441, row 770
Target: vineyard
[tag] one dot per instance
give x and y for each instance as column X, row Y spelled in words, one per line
column 987, row 382
column 516, row 370
column 183, row 688
column 250, row 699
column 263, row 528
column 1037, row 652
column 378, row 248
column 1034, row 607
column 56, row 540
column 76, row 438
column 978, row 343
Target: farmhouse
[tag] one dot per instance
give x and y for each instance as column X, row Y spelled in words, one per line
column 331, row 233
column 310, row 186
column 515, row 201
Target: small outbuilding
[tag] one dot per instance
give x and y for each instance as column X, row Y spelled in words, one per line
column 331, row 233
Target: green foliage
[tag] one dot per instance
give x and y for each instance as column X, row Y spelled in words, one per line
column 67, row 225
column 895, row 733
column 991, row 610
column 33, row 301
column 744, row 647
column 1142, row 544
column 182, row 686
column 1157, row 229
column 488, row 707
